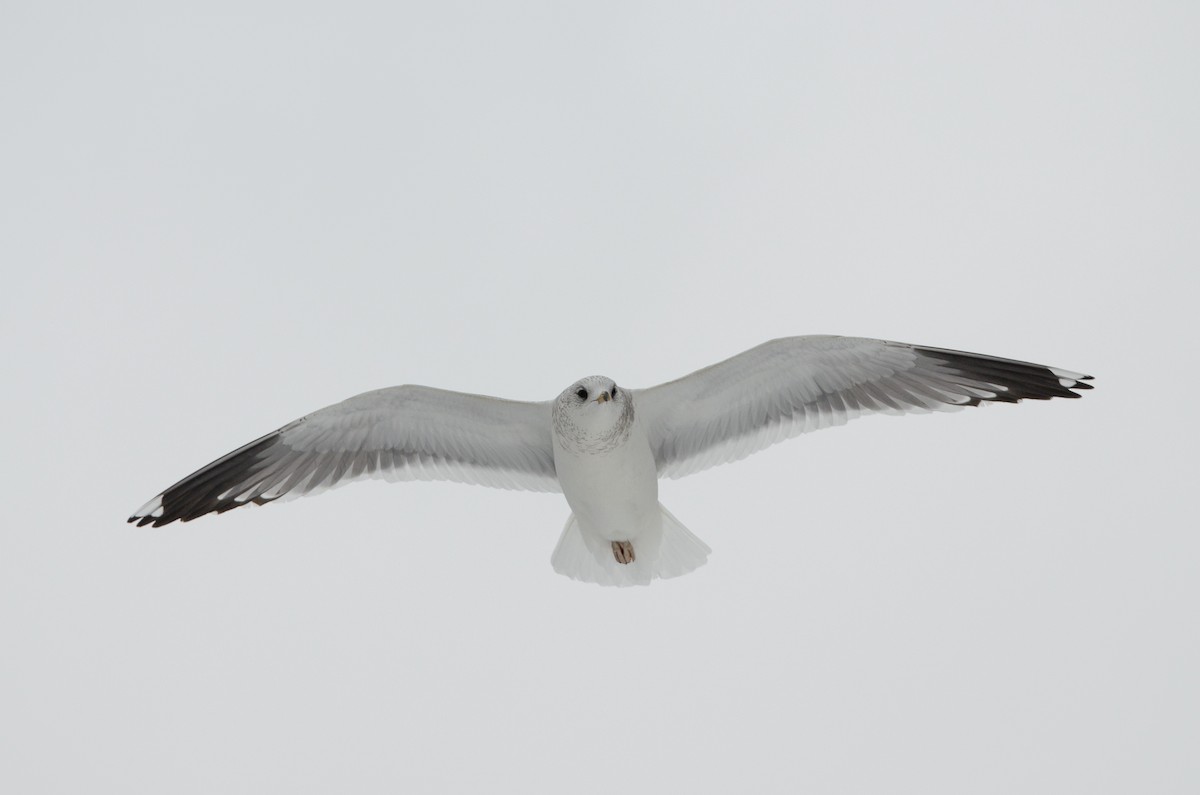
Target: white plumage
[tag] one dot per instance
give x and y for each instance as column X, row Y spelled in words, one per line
column 604, row 446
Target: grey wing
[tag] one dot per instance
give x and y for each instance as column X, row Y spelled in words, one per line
column 793, row 385
column 401, row 433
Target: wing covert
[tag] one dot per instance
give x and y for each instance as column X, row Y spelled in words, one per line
column 793, row 385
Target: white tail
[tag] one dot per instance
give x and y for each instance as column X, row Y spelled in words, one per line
column 671, row 552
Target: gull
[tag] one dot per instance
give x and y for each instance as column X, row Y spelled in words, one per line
column 603, row 446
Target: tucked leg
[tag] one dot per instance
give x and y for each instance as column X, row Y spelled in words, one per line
column 623, row 551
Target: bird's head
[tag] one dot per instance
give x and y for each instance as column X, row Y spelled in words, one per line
column 593, row 414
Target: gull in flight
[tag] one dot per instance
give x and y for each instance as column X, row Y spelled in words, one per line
column 605, row 446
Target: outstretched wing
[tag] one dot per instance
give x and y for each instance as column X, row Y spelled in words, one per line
column 401, row 433
column 793, row 385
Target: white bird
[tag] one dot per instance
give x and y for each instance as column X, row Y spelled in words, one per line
column 604, row 446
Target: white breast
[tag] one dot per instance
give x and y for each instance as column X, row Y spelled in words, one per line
column 614, row 493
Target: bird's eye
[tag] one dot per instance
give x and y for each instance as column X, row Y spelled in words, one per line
column 614, row 390
column 582, row 393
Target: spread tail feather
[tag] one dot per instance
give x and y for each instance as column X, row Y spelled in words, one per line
column 671, row 552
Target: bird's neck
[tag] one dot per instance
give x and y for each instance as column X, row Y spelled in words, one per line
column 590, row 438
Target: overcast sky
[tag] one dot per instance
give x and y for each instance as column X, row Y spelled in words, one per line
column 217, row 217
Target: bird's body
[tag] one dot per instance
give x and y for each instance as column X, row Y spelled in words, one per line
column 613, row 494
column 609, row 477
column 603, row 460
column 603, row 446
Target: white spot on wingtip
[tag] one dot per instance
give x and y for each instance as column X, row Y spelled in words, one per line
column 1067, row 381
column 1065, row 374
column 153, row 508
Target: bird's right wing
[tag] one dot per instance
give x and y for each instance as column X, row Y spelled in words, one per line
column 402, row 433
column 789, row 386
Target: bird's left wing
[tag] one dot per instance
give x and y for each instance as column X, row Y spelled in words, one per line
column 793, row 385
column 402, row 433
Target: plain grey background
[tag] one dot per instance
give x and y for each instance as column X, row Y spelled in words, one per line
column 217, row 217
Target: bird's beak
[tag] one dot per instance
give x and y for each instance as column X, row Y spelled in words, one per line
column 604, row 398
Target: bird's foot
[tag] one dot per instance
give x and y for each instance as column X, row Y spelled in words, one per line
column 623, row 551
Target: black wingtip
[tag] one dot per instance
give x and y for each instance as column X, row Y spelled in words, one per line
column 1019, row 380
column 201, row 492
